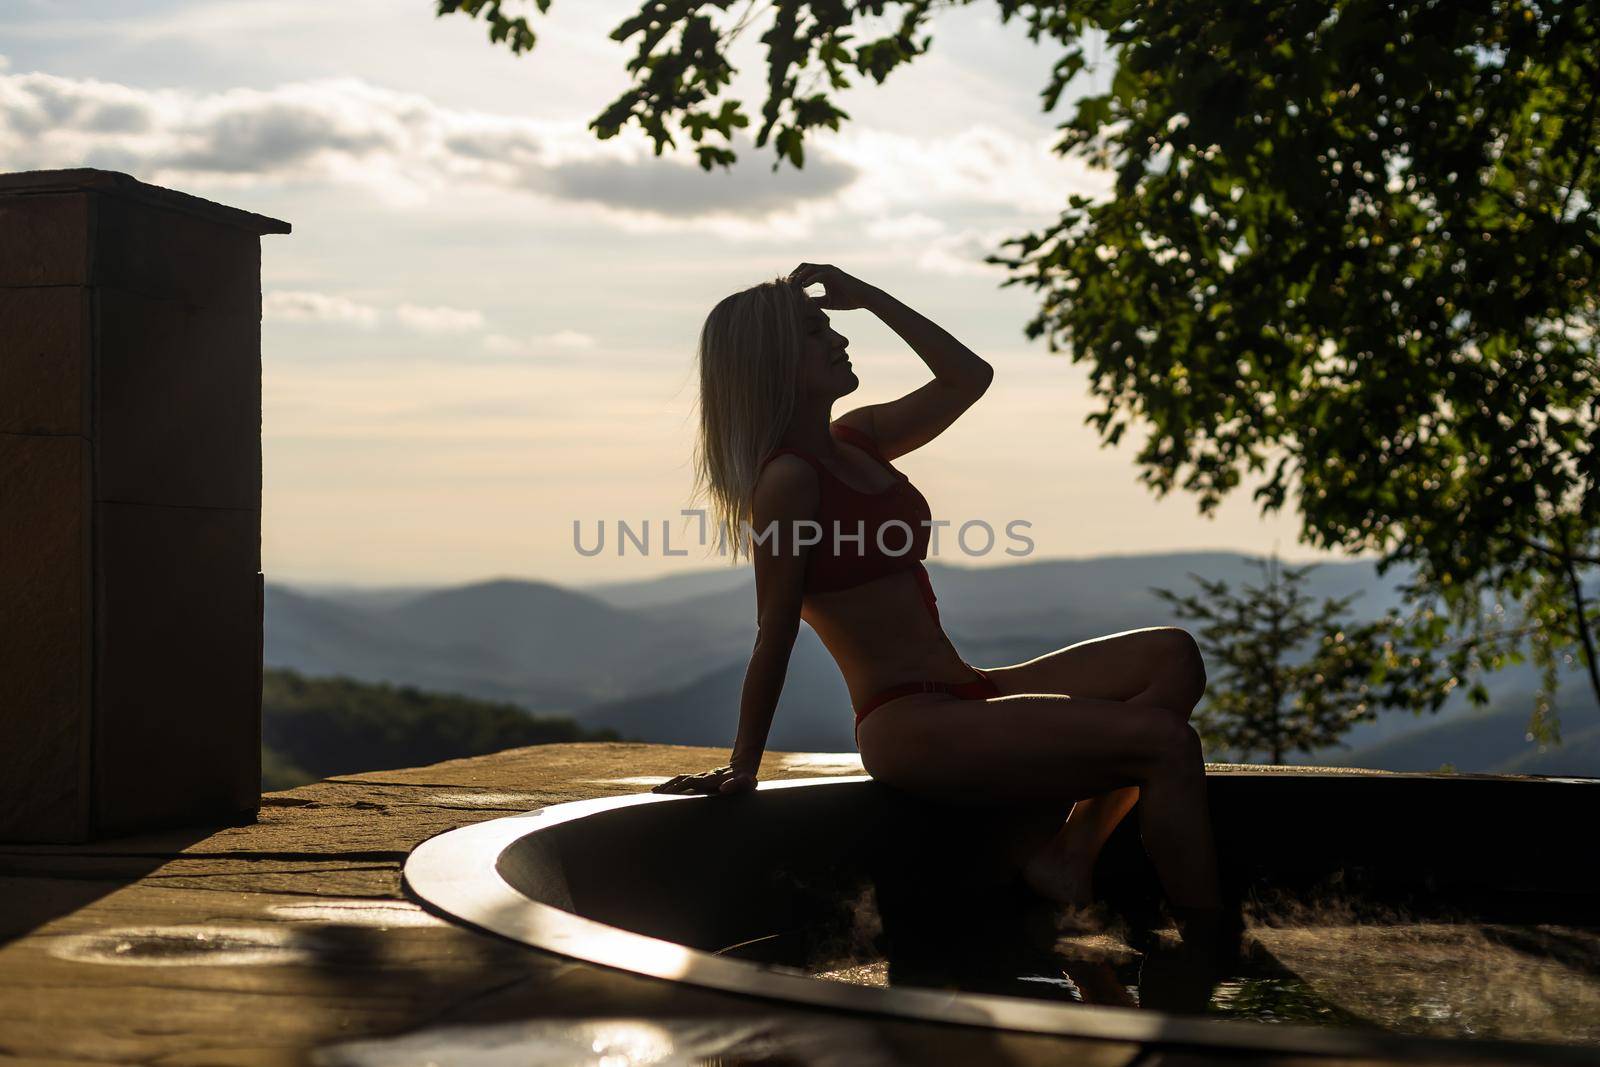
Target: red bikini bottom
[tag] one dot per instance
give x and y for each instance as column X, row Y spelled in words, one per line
column 979, row 688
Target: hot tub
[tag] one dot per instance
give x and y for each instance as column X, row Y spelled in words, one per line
column 1391, row 916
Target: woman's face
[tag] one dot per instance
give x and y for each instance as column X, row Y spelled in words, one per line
column 824, row 367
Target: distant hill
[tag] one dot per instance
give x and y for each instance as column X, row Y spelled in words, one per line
column 669, row 588
column 1577, row 755
column 361, row 596
column 531, row 643
column 813, row 714
column 312, row 728
column 663, row 658
column 1007, row 613
column 1492, row 741
column 1051, row 602
column 322, row 637
column 539, row 630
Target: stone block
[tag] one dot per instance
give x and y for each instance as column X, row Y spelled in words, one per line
column 130, row 496
column 177, row 256
column 177, row 402
column 44, row 637
column 44, row 360
column 177, row 735
column 44, row 239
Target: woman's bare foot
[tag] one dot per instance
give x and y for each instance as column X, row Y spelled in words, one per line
column 1177, row 980
column 1217, row 933
column 1062, row 880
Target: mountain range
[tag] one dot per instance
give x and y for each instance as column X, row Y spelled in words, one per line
column 663, row 659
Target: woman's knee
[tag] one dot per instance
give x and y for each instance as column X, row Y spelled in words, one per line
column 1187, row 668
column 1179, row 675
column 1166, row 742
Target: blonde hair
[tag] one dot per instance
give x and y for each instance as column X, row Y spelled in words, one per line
column 749, row 358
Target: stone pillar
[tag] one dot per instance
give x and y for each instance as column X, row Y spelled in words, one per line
column 130, row 507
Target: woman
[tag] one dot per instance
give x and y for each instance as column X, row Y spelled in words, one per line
column 1102, row 723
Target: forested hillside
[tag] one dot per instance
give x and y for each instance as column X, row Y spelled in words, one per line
column 315, row 727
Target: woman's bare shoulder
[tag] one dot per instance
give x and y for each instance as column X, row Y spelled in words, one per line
column 788, row 483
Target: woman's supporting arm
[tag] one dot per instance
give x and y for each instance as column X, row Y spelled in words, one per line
column 758, row 700
column 786, row 495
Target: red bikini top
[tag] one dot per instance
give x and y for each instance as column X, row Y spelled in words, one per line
column 843, row 560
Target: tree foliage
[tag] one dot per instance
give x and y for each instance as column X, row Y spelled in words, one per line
column 1364, row 236
column 680, row 66
column 1352, row 241
column 1287, row 675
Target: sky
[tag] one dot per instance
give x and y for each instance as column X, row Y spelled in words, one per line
column 482, row 329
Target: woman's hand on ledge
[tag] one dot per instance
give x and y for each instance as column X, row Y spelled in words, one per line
column 720, row 781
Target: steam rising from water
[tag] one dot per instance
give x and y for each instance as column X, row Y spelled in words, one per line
column 1447, row 978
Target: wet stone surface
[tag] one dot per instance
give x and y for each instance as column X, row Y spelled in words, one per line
column 291, row 941
column 177, row 946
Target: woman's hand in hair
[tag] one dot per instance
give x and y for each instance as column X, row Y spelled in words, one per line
column 720, row 781
column 841, row 291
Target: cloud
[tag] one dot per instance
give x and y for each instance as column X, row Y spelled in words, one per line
column 401, row 146
column 439, row 319
column 940, row 251
column 904, row 227
column 571, row 340
column 977, row 165
column 409, row 152
column 962, row 253
column 304, row 306
column 300, row 306
column 251, row 133
column 662, row 186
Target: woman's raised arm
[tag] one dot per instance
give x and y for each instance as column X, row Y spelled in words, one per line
column 960, row 375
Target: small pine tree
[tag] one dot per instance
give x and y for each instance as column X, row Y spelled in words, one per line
column 1260, row 702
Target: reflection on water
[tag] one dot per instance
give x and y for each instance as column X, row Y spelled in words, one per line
column 1324, row 965
column 1082, row 971
column 1272, row 999
column 1264, row 998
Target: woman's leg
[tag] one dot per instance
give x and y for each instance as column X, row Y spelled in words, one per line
column 1039, row 747
column 1158, row 667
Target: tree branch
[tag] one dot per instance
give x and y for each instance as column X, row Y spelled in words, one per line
column 1587, row 142
column 1556, row 552
column 1583, row 621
